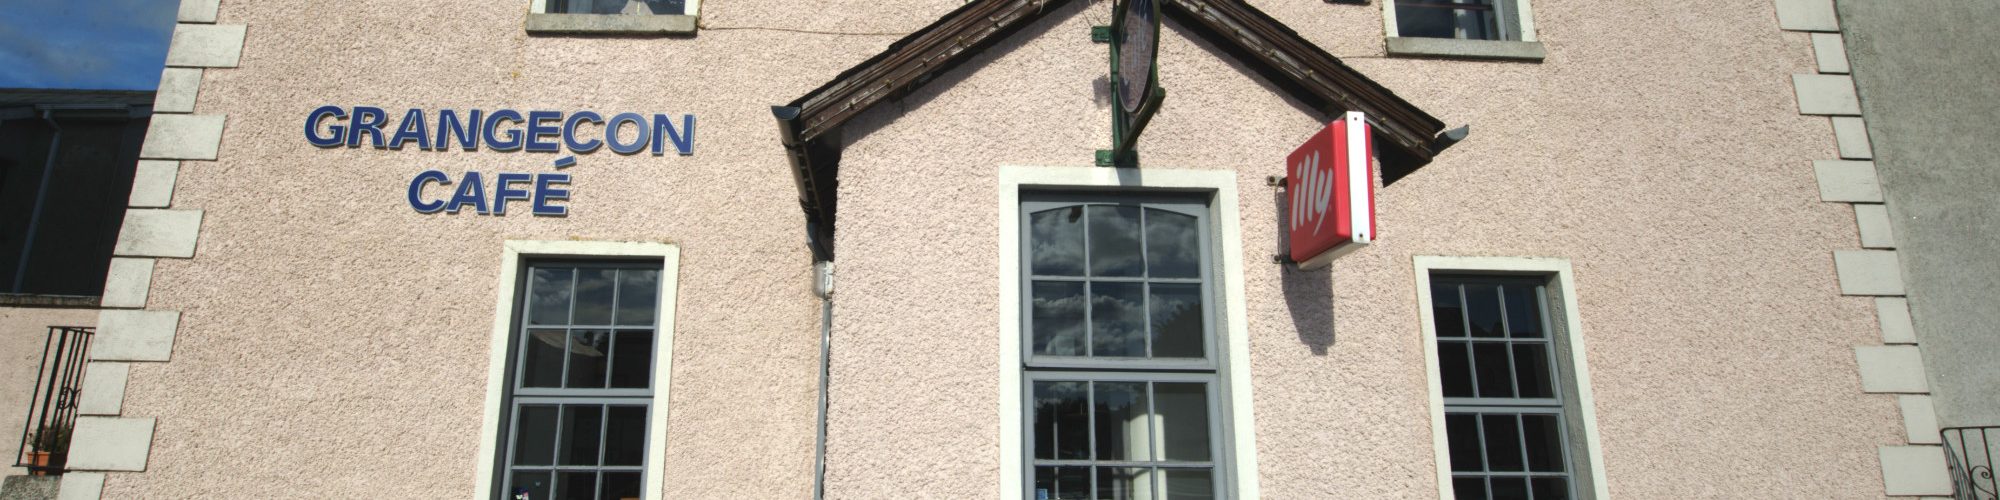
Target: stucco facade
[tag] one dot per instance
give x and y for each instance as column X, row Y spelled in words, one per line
column 332, row 342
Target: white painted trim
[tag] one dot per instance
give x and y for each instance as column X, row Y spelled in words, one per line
column 1241, row 455
column 1571, row 329
column 1521, row 7
column 503, row 322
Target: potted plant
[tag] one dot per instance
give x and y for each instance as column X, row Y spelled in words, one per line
column 51, row 450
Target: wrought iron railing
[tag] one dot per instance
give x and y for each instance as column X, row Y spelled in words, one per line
column 1970, row 452
column 52, row 411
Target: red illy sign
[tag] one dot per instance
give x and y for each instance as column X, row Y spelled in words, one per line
column 1332, row 184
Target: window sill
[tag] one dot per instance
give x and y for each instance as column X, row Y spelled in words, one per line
column 610, row 24
column 1466, row 49
column 34, row 300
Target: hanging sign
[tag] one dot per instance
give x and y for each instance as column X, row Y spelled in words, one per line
column 1332, row 186
column 577, row 133
column 1135, row 76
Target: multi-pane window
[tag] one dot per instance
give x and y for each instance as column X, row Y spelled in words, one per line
column 1464, row 19
column 656, row 7
column 1504, row 402
column 1119, row 349
column 582, row 384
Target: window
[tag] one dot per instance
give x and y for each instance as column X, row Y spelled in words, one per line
column 1511, row 405
column 1119, row 351
column 652, row 7
column 1468, row 29
column 582, row 385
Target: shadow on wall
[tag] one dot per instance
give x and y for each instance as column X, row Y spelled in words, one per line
column 1308, row 294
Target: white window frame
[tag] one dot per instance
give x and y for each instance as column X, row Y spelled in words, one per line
column 513, row 255
column 1574, row 372
column 1238, row 463
column 1525, row 48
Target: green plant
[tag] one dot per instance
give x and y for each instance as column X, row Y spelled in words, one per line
column 53, row 439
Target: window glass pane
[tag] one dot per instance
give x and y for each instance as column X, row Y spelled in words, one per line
column 1510, row 488
column 1124, row 483
column 1117, row 319
column 1524, row 316
column 1482, row 307
column 1495, row 373
column 1455, row 368
column 548, row 301
column 1058, row 318
column 1550, row 488
column 638, row 296
column 593, row 296
column 625, row 437
column 1114, row 241
column 588, row 360
column 1468, row 488
column 1531, row 366
column 1183, row 418
column 632, row 360
column 1062, row 421
column 1177, row 321
column 1055, row 242
column 1062, row 483
column 544, row 352
column 1446, row 310
column 1462, row 432
column 621, row 485
column 1173, row 245
column 1425, row 22
column 1190, row 484
column 580, row 425
column 576, row 486
column 1503, row 443
column 1543, row 434
column 535, row 436
column 656, row 7
column 529, row 485
column 1122, row 426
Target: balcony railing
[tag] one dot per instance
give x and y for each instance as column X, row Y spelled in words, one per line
column 52, row 411
column 1970, row 452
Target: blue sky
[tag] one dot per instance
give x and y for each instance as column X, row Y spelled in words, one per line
column 103, row 44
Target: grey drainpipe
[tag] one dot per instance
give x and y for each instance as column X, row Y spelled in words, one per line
column 823, row 286
column 41, row 197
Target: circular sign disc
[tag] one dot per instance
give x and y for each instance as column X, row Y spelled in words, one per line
column 1136, row 49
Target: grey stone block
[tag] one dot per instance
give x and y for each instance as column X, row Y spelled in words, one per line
column 153, row 183
column 126, row 283
column 159, row 233
column 183, row 137
column 1465, row 49
column 1850, row 133
column 1914, row 470
column 81, row 486
column 199, row 11
column 178, row 87
column 1868, row 272
column 1876, row 231
column 1895, row 369
column 1807, row 15
column 623, row 24
column 110, row 444
column 1919, row 419
column 1826, row 95
column 1830, row 53
column 206, row 46
column 127, row 335
column 1893, row 315
column 103, row 391
column 1847, row 181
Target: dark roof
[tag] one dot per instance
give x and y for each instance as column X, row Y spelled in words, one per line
column 49, row 97
column 1405, row 134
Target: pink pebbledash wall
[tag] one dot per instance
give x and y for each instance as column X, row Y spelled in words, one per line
column 334, row 342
